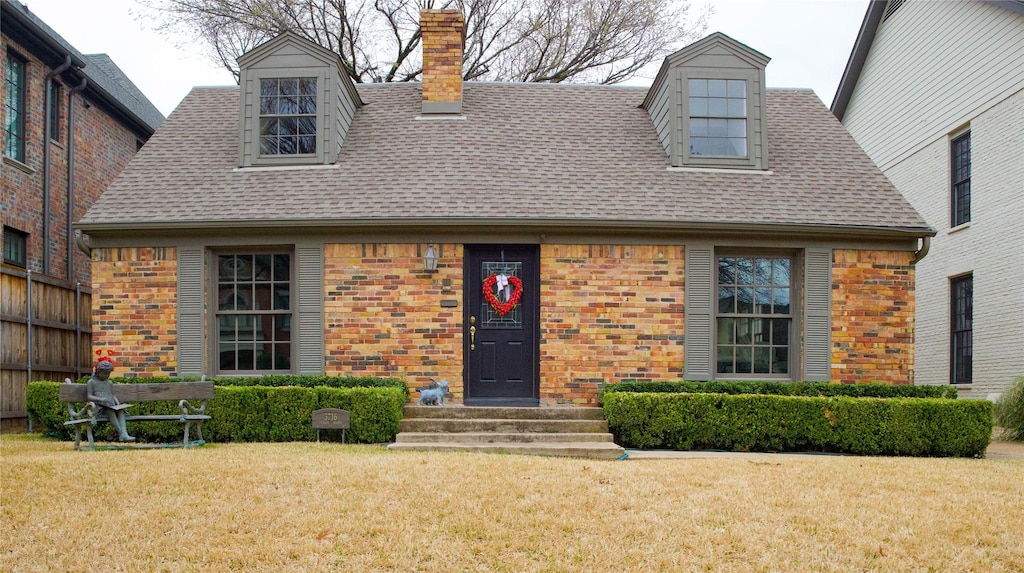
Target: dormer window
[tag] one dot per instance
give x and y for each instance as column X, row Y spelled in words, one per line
column 288, row 116
column 297, row 104
column 707, row 105
column 718, row 117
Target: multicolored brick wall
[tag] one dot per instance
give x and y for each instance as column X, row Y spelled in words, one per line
column 872, row 317
column 442, row 37
column 609, row 312
column 134, row 309
column 383, row 314
column 103, row 146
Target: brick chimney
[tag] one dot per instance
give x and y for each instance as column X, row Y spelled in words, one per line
column 443, row 36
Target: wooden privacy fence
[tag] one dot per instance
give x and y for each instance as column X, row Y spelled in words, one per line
column 45, row 334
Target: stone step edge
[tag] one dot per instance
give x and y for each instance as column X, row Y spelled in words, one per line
column 516, row 413
column 603, row 450
column 501, row 426
column 503, row 437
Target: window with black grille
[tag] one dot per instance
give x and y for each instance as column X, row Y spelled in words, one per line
column 15, row 247
column 961, row 329
column 960, row 154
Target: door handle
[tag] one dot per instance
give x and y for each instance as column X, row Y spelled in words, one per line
column 472, row 338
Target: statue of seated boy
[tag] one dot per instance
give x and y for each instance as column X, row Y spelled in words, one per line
column 100, row 390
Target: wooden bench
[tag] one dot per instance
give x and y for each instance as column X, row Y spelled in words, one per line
column 88, row 414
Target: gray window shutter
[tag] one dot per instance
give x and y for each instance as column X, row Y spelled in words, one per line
column 699, row 288
column 817, row 315
column 190, row 311
column 311, row 309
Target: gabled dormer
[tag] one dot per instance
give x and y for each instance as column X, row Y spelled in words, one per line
column 708, row 105
column 296, row 103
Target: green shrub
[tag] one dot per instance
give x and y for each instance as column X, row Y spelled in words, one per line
column 788, row 389
column 276, row 380
column 246, row 413
column 1010, row 411
column 762, row 422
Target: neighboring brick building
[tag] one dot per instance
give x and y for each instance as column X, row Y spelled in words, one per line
column 89, row 98
column 71, row 123
column 934, row 93
column 527, row 242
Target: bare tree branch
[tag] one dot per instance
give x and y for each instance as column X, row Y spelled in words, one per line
column 596, row 41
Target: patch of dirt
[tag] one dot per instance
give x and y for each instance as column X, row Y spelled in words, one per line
column 1005, row 451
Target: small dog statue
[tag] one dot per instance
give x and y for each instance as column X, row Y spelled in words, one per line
column 434, row 395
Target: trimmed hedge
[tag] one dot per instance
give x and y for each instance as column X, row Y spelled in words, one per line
column 278, row 380
column 247, row 413
column 788, row 389
column 866, row 426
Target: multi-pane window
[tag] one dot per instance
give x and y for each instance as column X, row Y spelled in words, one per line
column 15, row 247
column 14, row 104
column 288, row 116
column 718, row 118
column 960, row 154
column 55, row 92
column 754, row 318
column 961, row 329
column 254, row 312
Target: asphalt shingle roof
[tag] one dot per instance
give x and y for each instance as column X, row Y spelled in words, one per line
column 524, row 152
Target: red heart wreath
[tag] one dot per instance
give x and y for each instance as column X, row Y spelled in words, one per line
column 503, row 308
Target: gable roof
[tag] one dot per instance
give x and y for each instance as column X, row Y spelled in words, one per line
column 525, row 156
column 873, row 17
column 105, row 80
column 716, row 41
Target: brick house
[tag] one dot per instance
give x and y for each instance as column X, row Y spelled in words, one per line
column 934, row 93
column 71, row 122
column 527, row 242
column 64, row 113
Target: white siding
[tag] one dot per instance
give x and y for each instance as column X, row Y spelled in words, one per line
column 991, row 247
column 931, row 68
column 934, row 69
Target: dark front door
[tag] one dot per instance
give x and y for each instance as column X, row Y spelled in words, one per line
column 502, row 326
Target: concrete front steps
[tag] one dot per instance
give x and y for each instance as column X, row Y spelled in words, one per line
column 545, row 431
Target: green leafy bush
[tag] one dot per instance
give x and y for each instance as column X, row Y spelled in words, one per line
column 246, row 413
column 788, row 389
column 1009, row 411
column 752, row 422
column 277, row 380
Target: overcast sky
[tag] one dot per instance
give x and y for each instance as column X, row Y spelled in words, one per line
column 808, row 42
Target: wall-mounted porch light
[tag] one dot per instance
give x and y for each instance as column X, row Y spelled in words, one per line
column 430, row 259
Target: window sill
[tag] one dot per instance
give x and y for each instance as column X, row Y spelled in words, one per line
column 959, row 228
column 19, row 165
column 285, row 167
column 720, row 170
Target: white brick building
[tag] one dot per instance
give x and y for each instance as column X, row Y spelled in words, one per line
column 928, row 81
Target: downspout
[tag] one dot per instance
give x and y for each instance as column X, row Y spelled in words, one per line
column 926, row 245
column 46, row 159
column 71, row 176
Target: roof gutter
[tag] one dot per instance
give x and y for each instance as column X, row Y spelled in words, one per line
column 926, row 245
column 17, row 12
column 683, row 227
column 47, row 125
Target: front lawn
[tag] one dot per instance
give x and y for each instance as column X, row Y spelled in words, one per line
column 331, row 507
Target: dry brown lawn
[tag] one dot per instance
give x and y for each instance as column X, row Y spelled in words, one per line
column 329, row 507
